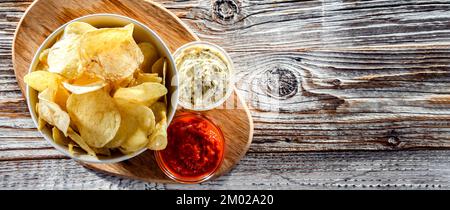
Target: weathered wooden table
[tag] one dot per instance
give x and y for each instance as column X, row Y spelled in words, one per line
column 344, row 95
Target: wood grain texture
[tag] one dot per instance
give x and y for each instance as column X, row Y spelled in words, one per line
column 234, row 120
column 315, row 170
column 370, row 75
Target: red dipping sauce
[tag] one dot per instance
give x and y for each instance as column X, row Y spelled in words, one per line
column 195, row 148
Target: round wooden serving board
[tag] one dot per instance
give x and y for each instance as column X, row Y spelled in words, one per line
column 44, row 16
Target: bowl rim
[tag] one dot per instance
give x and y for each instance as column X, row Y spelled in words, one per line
column 232, row 74
column 51, row 37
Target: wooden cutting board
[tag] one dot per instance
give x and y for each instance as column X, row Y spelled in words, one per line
column 44, row 16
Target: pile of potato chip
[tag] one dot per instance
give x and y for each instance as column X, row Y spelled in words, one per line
column 101, row 92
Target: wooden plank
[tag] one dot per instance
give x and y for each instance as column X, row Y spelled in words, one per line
column 331, row 170
column 289, row 25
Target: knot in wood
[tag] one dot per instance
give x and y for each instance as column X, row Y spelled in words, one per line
column 393, row 138
column 280, row 83
column 225, row 10
column 336, row 82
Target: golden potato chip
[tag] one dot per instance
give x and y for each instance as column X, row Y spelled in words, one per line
column 134, row 116
column 158, row 139
column 159, row 110
column 146, row 93
column 79, row 140
column 164, row 77
column 54, row 115
column 110, row 53
column 84, row 83
column 157, row 67
column 147, row 77
column 47, row 95
column 96, row 116
column 83, row 89
column 61, row 96
column 59, row 137
column 41, row 80
column 43, row 56
column 85, row 78
column 150, row 56
column 58, row 96
column 123, row 83
column 77, row 29
column 70, row 148
column 63, row 56
column 135, row 142
column 41, row 123
column 42, row 65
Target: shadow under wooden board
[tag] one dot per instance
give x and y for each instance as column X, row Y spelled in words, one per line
column 44, row 16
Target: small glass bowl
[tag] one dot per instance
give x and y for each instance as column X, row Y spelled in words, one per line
column 194, row 179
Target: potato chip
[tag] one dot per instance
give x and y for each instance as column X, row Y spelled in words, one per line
column 164, row 78
column 43, row 56
column 159, row 110
column 59, row 96
column 123, row 83
column 41, row 122
column 134, row 116
column 157, row 67
column 79, row 140
column 146, row 93
column 147, row 77
column 110, row 53
column 135, row 142
column 59, row 137
column 77, row 29
column 83, row 89
column 47, row 95
column 41, row 80
column 63, row 56
column 85, row 78
column 42, row 64
column 84, row 83
column 54, row 115
column 96, row 116
column 150, row 56
column 70, row 148
column 158, row 139
column 41, row 67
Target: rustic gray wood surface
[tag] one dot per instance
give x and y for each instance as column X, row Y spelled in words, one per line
column 344, row 95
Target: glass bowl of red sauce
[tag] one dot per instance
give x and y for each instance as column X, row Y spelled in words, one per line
column 195, row 149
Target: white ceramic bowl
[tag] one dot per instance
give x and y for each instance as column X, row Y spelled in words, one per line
column 141, row 33
column 230, row 87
